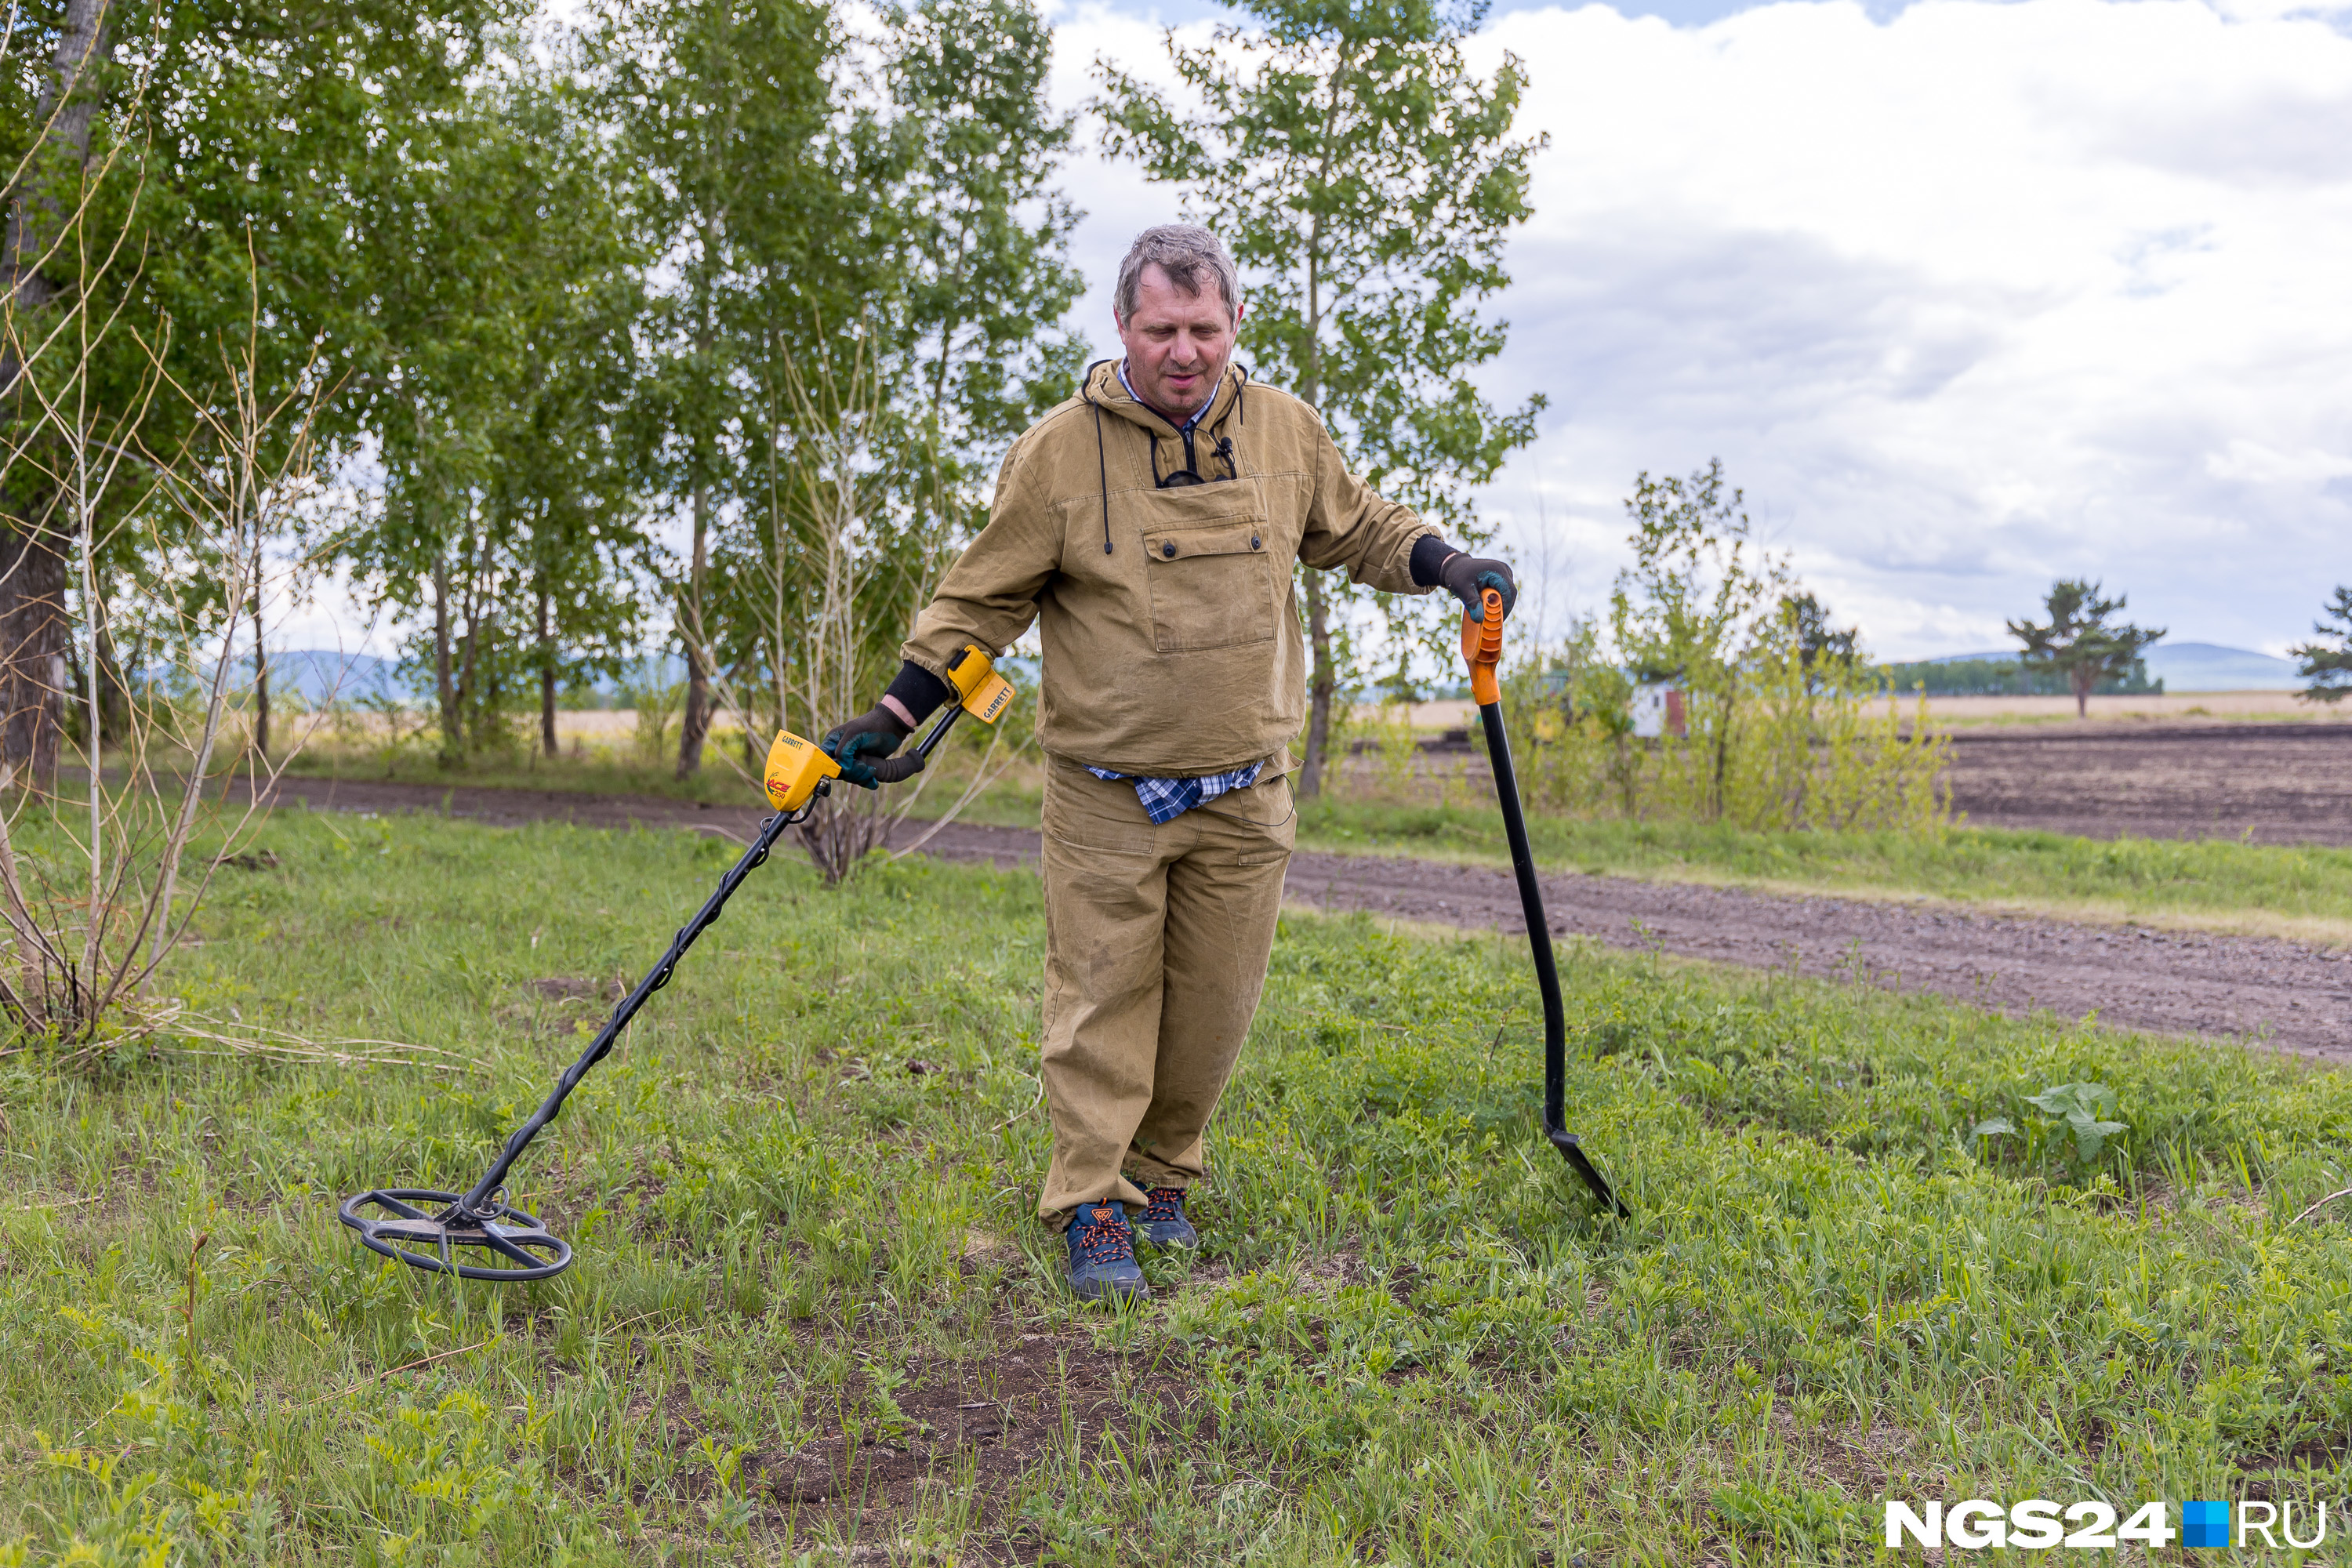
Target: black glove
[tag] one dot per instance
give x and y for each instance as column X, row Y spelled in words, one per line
column 872, row 735
column 1466, row 577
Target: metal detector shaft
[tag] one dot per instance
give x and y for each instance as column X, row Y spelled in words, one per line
column 495, row 1177
column 1522, row 866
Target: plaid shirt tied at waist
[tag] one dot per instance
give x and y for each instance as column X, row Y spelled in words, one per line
column 1167, row 799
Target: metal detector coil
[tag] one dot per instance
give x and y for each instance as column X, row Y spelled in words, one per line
column 1482, row 649
column 513, row 1247
column 476, row 1234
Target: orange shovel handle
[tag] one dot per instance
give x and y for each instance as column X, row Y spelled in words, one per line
column 1482, row 649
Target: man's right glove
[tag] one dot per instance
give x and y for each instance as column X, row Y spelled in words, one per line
column 872, row 734
column 1466, row 577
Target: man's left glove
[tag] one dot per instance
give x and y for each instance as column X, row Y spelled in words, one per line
column 872, row 735
column 1467, row 577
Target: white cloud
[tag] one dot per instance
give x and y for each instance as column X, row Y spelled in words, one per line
column 1979, row 296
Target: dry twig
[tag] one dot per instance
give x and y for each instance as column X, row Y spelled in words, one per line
column 2339, row 1192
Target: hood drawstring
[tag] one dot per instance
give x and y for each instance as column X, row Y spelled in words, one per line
column 1222, row 449
column 1102, row 464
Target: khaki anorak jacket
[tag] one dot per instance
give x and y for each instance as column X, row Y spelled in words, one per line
column 1170, row 630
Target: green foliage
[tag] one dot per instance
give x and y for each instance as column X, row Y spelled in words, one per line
column 868, row 284
column 1783, row 727
column 1411, row 1334
column 2329, row 669
column 2077, row 640
column 204, row 233
column 2082, row 1109
column 510, row 523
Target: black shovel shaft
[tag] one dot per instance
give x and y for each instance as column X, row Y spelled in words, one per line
column 1523, row 867
column 495, row 1177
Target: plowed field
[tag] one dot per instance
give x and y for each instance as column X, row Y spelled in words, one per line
column 2274, row 784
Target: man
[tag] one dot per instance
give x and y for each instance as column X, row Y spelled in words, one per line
column 1149, row 526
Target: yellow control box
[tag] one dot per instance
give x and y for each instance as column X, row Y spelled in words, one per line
column 795, row 767
column 983, row 693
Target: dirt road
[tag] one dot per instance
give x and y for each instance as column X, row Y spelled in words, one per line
column 2175, row 983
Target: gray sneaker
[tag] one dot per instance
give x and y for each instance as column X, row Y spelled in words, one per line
column 1164, row 1225
column 1102, row 1253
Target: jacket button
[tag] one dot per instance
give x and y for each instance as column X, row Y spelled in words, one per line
column 1168, row 550
column 1254, row 541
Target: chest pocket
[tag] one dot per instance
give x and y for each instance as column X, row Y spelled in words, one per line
column 1212, row 578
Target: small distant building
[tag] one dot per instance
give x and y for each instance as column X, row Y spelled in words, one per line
column 1658, row 712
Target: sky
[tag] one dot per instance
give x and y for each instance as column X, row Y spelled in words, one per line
column 1966, row 296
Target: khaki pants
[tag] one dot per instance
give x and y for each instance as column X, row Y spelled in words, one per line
column 1156, row 945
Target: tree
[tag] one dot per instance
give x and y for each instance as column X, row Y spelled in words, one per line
column 2329, row 669
column 1818, row 643
column 985, row 238
column 1692, row 608
column 726, row 106
column 1363, row 178
column 510, row 522
column 903, row 244
column 2078, row 641
column 183, row 178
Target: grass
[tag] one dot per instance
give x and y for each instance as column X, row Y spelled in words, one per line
column 606, row 769
column 2303, row 891
column 620, row 768
column 812, row 1321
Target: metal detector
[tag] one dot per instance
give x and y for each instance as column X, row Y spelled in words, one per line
column 1482, row 646
column 478, row 1235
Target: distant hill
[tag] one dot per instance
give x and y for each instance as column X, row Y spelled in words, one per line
column 2188, row 667
column 320, row 674
column 2209, row 666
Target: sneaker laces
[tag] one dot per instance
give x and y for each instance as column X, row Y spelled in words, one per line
column 1105, row 1241
column 1163, row 1204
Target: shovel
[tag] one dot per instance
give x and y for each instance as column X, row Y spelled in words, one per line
column 1482, row 648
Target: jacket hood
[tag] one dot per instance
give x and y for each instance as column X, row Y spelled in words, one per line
column 1103, row 387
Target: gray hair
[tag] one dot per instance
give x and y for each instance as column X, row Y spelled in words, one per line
column 1181, row 250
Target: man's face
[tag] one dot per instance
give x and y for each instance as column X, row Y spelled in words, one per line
column 1177, row 344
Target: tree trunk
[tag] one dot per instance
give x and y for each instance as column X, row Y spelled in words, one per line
column 1322, row 684
column 2083, row 680
column 34, row 633
column 260, row 675
column 34, row 639
column 1722, row 757
column 113, row 691
column 546, row 680
column 444, row 684
column 1322, row 680
column 696, row 722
